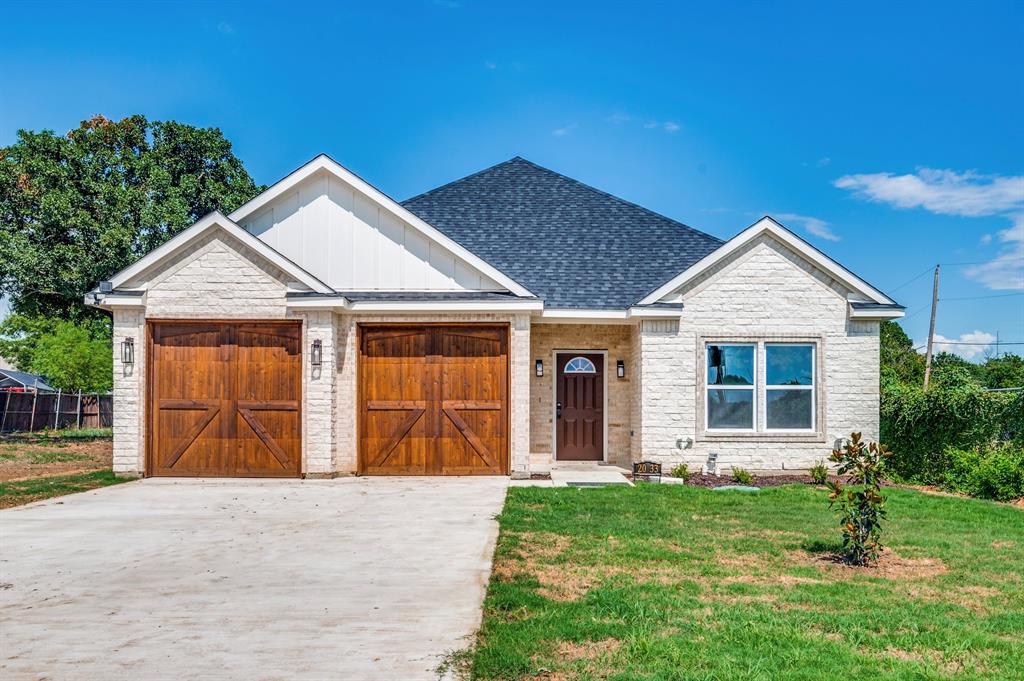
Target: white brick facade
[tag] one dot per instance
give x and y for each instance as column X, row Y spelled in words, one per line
column 763, row 292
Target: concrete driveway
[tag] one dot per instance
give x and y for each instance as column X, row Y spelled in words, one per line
column 361, row 578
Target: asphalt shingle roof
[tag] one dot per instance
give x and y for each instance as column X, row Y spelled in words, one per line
column 570, row 244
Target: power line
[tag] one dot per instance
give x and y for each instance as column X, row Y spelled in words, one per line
column 996, row 295
column 982, row 343
column 911, row 281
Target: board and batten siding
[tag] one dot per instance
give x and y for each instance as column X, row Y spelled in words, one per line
column 351, row 243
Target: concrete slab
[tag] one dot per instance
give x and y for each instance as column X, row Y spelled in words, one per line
column 360, row 578
column 592, row 475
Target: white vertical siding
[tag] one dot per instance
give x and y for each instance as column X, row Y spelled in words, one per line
column 351, row 243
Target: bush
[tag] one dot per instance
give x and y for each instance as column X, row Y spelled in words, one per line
column 819, row 473
column 742, row 476
column 920, row 425
column 861, row 510
column 993, row 473
column 682, row 471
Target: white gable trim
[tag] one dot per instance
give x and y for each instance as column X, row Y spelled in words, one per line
column 767, row 225
column 326, row 163
column 217, row 220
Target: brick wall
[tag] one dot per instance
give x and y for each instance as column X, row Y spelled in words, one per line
column 764, row 292
column 618, row 341
column 219, row 278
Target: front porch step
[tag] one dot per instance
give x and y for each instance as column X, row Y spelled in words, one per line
column 586, row 474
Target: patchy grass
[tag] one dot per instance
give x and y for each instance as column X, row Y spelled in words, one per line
column 21, row 492
column 25, row 456
column 676, row 582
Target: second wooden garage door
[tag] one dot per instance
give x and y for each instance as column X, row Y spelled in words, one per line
column 433, row 400
column 224, row 399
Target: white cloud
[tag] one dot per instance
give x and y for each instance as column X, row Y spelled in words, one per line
column 941, row 191
column 812, row 225
column 618, row 118
column 225, row 28
column 671, row 126
column 490, row 65
column 651, row 125
column 967, row 194
column 1006, row 270
column 823, row 161
column 977, row 342
column 985, row 239
column 564, row 130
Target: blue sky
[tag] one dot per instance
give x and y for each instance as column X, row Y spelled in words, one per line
column 888, row 134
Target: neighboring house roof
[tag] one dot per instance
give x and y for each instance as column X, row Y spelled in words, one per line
column 9, row 378
column 571, row 245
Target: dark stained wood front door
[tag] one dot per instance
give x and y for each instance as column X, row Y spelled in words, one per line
column 224, row 399
column 579, row 407
column 433, row 400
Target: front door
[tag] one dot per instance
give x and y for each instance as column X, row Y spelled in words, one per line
column 579, row 407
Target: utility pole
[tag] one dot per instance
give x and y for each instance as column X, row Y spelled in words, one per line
column 931, row 329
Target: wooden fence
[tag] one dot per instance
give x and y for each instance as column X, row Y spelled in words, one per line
column 29, row 412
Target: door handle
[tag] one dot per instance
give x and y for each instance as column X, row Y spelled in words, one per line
column 558, row 410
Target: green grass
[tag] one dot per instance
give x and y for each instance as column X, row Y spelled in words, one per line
column 673, row 582
column 56, row 457
column 58, row 435
column 19, row 492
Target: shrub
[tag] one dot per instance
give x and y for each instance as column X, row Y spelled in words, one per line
column 920, row 425
column 682, row 471
column 819, row 473
column 861, row 508
column 742, row 476
column 992, row 473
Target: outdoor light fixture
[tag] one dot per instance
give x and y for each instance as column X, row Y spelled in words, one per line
column 128, row 350
column 620, row 369
column 316, row 353
column 539, row 367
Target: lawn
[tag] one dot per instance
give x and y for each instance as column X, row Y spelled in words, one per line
column 46, row 464
column 674, row 582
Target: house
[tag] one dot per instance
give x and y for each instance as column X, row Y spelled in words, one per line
column 498, row 324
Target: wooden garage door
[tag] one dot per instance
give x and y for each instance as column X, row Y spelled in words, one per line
column 224, row 399
column 434, row 400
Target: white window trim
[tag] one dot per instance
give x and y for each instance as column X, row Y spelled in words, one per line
column 708, row 387
column 760, row 433
column 591, row 370
column 813, row 387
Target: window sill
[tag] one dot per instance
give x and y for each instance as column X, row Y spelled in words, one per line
column 817, row 438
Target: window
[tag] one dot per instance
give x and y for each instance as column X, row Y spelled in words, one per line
column 730, row 389
column 580, row 365
column 737, row 386
column 789, row 386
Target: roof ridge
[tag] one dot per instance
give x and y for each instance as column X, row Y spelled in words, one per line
column 579, row 183
column 462, row 179
column 619, row 199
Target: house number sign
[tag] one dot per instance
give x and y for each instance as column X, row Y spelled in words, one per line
column 647, row 470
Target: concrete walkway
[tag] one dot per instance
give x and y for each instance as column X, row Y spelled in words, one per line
column 362, row 578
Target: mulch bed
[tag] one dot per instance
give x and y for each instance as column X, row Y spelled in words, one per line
column 703, row 480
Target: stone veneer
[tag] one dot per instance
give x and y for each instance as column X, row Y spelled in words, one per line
column 545, row 339
column 765, row 292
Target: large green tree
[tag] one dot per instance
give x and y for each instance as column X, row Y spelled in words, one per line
column 75, row 209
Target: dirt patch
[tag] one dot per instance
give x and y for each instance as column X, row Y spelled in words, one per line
column 1003, row 544
column 23, row 457
column 932, row 657
column 571, row 651
column 704, row 480
column 973, row 598
column 889, row 565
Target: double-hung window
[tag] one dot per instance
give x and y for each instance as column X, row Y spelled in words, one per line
column 731, row 393
column 741, row 377
column 789, row 386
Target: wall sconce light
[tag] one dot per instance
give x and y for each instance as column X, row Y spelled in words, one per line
column 128, row 351
column 316, row 353
column 620, row 369
column 538, row 367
